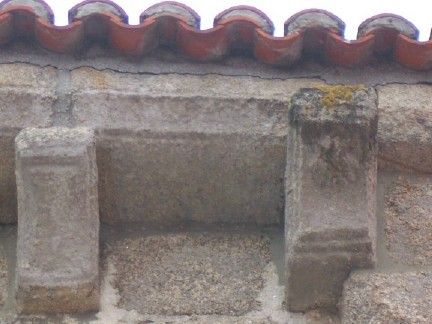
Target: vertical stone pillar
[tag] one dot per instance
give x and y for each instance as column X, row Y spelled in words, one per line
column 58, row 221
column 330, row 192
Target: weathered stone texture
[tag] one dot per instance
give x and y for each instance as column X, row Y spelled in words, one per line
column 404, row 129
column 408, row 220
column 58, row 222
column 190, row 273
column 170, row 178
column 330, row 192
column 176, row 147
column 182, row 103
column 27, row 94
column 370, row 297
column 187, row 85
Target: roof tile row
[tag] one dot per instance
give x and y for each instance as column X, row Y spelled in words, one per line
column 315, row 32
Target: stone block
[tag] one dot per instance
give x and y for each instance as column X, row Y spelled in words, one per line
column 404, row 129
column 330, row 188
column 211, row 148
column 166, row 179
column 370, row 297
column 408, row 219
column 27, row 96
column 210, row 104
column 58, row 222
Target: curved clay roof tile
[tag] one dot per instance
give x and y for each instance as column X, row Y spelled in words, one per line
column 246, row 28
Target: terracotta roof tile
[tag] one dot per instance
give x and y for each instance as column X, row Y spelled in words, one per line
column 243, row 28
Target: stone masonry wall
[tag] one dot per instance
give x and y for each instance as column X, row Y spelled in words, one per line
column 201, row 139
column 175, row 144
column 328, row 140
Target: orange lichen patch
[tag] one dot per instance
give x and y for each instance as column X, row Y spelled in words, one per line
column 334, row 95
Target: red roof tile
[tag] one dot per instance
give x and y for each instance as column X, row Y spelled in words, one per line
column 172, row 24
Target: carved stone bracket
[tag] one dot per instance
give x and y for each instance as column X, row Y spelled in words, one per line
column 330, row 192
column 58, row 221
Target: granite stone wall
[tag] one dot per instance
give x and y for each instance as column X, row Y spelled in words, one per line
column 178, row 146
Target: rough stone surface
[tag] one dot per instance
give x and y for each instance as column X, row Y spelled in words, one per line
column 172, row 114
column 8, row 209
column 404, row 129
column 408, row 220
column 270, row 298
column 330, row 192
column 58, row 222
column 211, row 148
column 164, row 61
column 186, row 274
column 27, row 95
column 187, row 85
column 3, row 277
column 370, row 297
column 211, row 104
column 172, row 178
column 7, row 270
column 181, row 102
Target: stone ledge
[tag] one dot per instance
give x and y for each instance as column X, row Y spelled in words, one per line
column 184, row 104
column 173, row 103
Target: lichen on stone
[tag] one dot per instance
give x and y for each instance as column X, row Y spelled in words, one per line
column 334, row 95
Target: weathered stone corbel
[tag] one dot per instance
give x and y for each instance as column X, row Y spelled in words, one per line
column 58, row 221
column 330, row 192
